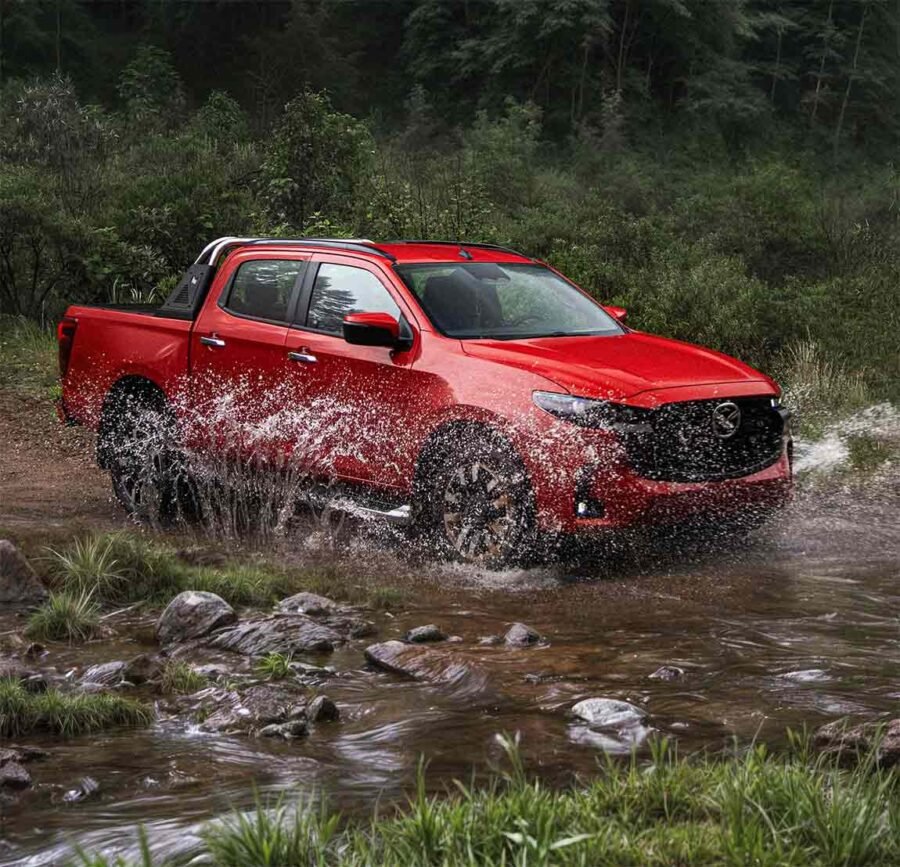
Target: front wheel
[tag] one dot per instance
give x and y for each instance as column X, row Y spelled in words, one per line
column 477, row 504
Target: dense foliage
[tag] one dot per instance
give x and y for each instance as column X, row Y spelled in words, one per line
column 720, row 167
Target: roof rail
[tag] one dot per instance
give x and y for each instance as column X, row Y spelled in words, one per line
column 212, row 251
column 463, row 245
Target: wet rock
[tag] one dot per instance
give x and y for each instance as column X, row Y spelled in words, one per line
column 310, row 604
column 88, row 787
column 425, row 634
column 289, row 730
column 33, row 681
column 14, row 776
column 250, row 710
column 18, row 583
column 424, row 663
column 288, row 634
column 322, row 709
column 21, row 754
column 193, row 614
column 852, row 743
column 521, row 635
column 105, row 674
column 609, row 713
column 142, row 669
column 34, row 651
column 667, row 672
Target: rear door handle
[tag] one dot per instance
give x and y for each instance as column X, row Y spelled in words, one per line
column 212, row 340
column 303, row 357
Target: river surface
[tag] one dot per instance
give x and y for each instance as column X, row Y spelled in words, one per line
column 796, row 628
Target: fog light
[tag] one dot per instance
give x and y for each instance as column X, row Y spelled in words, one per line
column 590, row 508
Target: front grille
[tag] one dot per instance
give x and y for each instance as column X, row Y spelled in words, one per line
column 679, row 442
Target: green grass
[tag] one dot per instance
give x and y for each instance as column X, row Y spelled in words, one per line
column 122, row 568
column 66, row 616
column 866, row 453
column 52, row 712
column 179, row 677
column 750, row 809
column 274, row 666
column 27, row 357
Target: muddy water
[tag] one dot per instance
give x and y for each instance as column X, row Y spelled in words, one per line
column 798, row 627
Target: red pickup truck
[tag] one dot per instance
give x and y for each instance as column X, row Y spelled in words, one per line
column 466, row 389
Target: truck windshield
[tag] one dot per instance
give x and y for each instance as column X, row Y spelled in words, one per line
column 503, row 301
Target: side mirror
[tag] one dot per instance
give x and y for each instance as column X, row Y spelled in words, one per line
column 617, row 313
column 372, row 329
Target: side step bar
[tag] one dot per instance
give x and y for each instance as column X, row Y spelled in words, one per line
column 399, row 515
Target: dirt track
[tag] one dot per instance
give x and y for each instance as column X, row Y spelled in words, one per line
column 48, row 479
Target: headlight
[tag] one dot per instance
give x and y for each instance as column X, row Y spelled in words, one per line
column 593, row 413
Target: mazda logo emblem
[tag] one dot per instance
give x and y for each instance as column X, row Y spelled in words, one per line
column 726, row 419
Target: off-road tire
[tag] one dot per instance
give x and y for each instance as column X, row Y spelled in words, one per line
column 475, row 503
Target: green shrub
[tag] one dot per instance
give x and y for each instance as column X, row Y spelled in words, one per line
column 66, row 616
column 274, row 666
column 180, row 677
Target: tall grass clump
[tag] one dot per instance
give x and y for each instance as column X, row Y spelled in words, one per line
column 181, row 678
column 53, row 712
column 819, row 388
column 750, row 808
column 27, row 356
column 65, row 616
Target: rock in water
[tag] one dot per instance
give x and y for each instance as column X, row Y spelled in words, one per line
column 193, row 614
column 14, row 776
column 521, row 635
column 310, row 604
column 322, row 709
column 609, row 713
column 87, row 788
column 426, row 664
column 106, row 674
column 142, row 668
column 288, row 634
column 18, row 583
column 251, row 710
column 425, row 634
column 667, row 672
column 855, row 742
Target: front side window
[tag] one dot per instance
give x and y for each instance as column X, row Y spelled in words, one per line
column 262, row 288
column 504, row 301
column 343, row 289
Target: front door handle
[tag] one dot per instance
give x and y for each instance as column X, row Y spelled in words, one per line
column 303, row 357
column 212, row 340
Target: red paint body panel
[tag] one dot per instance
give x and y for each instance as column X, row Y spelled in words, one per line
column 372, row 409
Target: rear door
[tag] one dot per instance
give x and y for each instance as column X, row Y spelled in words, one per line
column 238, row 362
column 361, row 399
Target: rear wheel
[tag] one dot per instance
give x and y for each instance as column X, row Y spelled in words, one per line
column 477, row 504
column 138, row 442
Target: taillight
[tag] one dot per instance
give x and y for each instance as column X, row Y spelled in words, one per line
column 65, row 334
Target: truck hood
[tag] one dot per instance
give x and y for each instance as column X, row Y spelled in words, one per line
column 623, row 366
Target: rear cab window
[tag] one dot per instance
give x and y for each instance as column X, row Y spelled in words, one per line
column 263, row 289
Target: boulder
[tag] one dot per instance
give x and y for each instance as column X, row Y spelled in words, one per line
column 142, row 668
column 105, row 674
column 609, row 713
column 852, row 743
column 193, row 614
column 310, row 604
column 425, row 634
column 426, row 664
column 18, row 583
column 31, row 680
column 288, row 634
column 14, row 776
column 289, row 730
column 322, row 709
column 87, row 787
column 250, row 710
column 667, row 672
column 521, row 635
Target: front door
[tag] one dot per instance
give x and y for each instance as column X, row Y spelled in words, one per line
column 361, row 399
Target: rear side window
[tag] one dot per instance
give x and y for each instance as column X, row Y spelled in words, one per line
column 343, row 289
column 262, row 289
